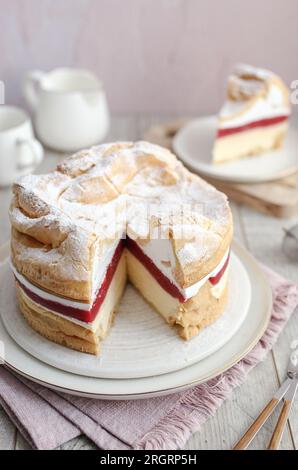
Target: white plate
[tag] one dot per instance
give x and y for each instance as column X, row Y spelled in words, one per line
column 140, row 343
column 239, row 345
column 193, row 144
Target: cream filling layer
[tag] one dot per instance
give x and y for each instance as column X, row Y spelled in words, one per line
column 46, row 295
column 162, row 254
column 217, row 289
column 101, row 264
column 168, row 306
column 158, row 259
column 101, row 322
column 191, row 291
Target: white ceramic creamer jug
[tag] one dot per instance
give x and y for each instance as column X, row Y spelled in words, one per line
column 70, row 108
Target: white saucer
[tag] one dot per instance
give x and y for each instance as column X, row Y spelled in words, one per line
column 140, row 343
column 239, row 345
column 193, row 144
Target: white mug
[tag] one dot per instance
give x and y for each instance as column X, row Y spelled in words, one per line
column 70, row 108
column 20, row 153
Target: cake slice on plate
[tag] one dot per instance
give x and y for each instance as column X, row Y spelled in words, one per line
column 254, row 118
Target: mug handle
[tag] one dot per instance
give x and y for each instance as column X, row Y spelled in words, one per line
column 30, row 87
column 36, row 153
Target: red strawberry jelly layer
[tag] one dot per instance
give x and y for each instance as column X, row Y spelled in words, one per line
column 251, row 125
column 165, row 283
column 162, row 280
column 83, row 315
column 215, row 279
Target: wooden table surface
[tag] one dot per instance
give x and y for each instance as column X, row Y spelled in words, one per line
column 262, row 235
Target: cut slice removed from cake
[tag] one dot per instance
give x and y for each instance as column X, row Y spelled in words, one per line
column 254, row 117
column 188, row 309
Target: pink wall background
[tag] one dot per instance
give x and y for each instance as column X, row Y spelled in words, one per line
column 165, row 56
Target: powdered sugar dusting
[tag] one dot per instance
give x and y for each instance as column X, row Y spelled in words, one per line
column 246, row 70
column 100, row 194
column 253, row 94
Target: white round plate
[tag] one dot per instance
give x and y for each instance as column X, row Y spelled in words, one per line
column 140, row 344
column 194, row 142
column 251, row 330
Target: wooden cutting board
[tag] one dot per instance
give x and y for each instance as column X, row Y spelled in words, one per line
column 278, row 198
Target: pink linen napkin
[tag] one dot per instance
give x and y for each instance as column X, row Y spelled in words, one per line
column 47, row 419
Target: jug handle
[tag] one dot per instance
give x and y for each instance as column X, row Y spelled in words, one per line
column 30, row 87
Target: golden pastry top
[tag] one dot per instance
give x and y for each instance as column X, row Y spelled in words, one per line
column 62, row 220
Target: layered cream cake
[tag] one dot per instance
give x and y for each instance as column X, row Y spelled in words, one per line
column 118, row 211
column 254, row 118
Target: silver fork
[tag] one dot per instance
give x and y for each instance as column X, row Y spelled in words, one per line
column 287, row 391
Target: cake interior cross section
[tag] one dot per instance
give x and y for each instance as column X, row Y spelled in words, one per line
column 114, row 213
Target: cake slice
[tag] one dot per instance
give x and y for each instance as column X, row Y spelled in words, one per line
column 254, row 118
column 118, row 211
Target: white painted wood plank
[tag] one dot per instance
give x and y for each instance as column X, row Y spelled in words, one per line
column 123, row 128
column 264, row 236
